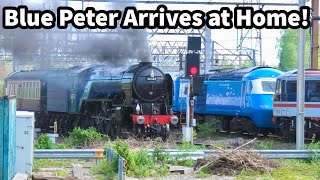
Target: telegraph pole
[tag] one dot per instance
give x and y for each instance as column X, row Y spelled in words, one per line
column 300, row 88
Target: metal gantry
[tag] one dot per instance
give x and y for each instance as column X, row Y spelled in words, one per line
column 61, row 47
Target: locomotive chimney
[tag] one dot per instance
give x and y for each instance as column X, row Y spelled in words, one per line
column 145, row 63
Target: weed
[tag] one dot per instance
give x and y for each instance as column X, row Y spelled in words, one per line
column 314, row 145
column 206, row 129
column 291, row 169
column 188, row 146
column 62, row 146
column 107, row 168
column 38, row 163
column 139, row 163
column 160, row 156
column 265, row 145
column 84, row 137
column 61, row 173
column 43, row 142
column 203, row 173
column 219, row 145
column 184, row 162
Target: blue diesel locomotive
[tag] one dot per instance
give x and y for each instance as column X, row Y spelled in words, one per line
column 285, row 104
column 237, row 99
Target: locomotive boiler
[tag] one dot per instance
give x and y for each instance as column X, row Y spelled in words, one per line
column 137, row 99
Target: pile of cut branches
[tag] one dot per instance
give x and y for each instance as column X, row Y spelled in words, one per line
column 231, row 163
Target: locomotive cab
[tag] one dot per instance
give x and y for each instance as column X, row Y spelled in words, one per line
column 285, row 103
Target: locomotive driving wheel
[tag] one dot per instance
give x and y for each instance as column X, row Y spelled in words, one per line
column 138, row 131
column 165, row 134
column 111, row 128
column 285, row 129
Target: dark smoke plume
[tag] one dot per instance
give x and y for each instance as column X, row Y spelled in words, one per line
column 36, row 45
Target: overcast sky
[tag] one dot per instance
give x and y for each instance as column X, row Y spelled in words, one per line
column 227, row 38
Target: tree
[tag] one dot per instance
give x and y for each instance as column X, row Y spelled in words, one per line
column 288, row 49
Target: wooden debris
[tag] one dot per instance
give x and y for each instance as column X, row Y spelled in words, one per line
column 233, row 162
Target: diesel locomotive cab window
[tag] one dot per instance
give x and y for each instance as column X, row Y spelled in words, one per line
column 291, row 90
column 312, row 91
column 268, row 86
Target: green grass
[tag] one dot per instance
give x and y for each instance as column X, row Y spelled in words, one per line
column 107, row 169
column 85, row 138
column 206, row 129
column 290, row 169
column 189, row 146
column 203, row 173
column 265, row 145
column 61, row 173
column 42, row 163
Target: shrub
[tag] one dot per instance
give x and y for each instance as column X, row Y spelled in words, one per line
column 43, row 142
column 139, row 163
column 313, row 147
column 109, row 169
column 84, row 137
column 206, row 129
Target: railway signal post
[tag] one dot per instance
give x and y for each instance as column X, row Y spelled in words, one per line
column 187, row 131
column 192, row 69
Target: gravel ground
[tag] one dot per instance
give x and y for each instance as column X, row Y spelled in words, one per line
column 50, row 174
column 183, row 177
column 216, row 141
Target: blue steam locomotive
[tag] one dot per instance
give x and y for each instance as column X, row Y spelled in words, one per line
column 137, row 99
column 236, row 99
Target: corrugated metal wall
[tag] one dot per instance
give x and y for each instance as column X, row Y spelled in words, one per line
column 7, row 137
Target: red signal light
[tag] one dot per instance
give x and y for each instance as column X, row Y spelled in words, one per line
column 193, row 70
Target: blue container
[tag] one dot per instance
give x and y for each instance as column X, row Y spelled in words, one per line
column 7, row 138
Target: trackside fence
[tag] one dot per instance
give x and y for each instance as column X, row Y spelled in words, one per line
column 97, row 154
column 111, row 155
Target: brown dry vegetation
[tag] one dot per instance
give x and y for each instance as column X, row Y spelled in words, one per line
column 234, row 162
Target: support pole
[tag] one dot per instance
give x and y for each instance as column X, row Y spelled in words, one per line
column 187, row 131
column 188, row 107
column 208, row 49
column 315, row 36
column 300, row 88
column 191, row 109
